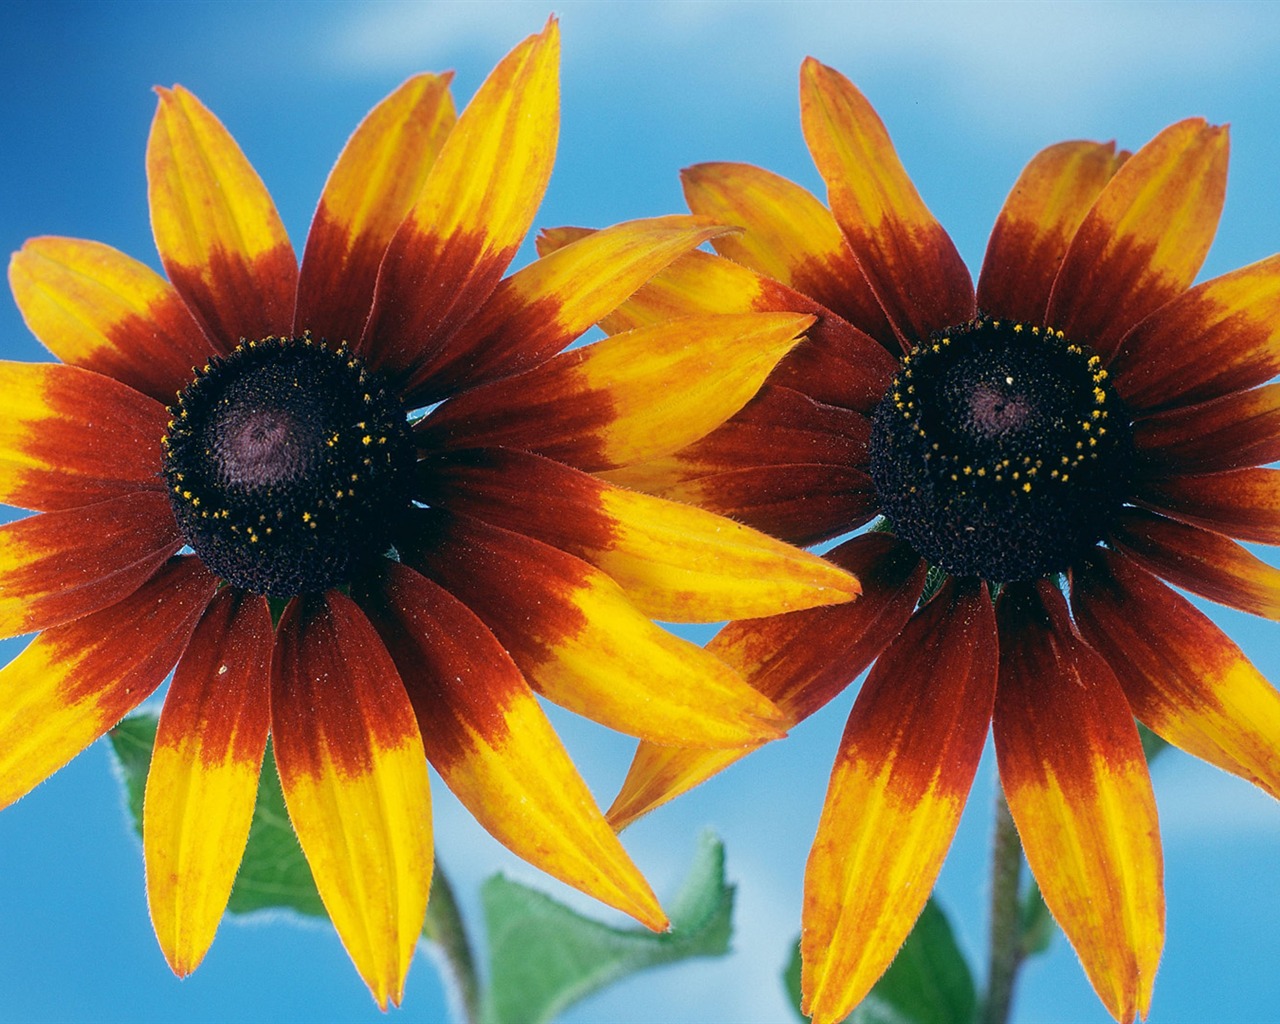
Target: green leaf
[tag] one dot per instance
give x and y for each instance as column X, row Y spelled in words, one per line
column 929, row 982
column 131, row 742
column 1152, row 745
column 544, row 957
column 274, row 874
column 1036, row 924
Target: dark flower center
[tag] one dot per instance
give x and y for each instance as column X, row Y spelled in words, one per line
column 289, row 466
column 1001, row 450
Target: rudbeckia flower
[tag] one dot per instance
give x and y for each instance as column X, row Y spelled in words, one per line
column 1042, row 458
column 373, row 586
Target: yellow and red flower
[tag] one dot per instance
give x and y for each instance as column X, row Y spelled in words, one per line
column 431, row 571
column 1085, row 417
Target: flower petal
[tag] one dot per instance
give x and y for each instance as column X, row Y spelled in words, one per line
column 487, row 736
column 1145, row 238
column 1036, row 225
column 1201, row 561
column 370, row 191
column 597, row 407
column 784, row 463
column 800, row 661
column 75, row 681
column 1231, row 432
column 1242, row 503
column 57, row 566
column 354, row 776
column 97, row 308
column 540, row 310
column 581, row 643
column 1183, row 676
column 70, row 437
column 789, row 236
column 676, row 563
column 836, row 363
column 220, row 238
column 801, row 503
column 908, row 259
column 1076, row 780
column 475, row 208
column 906, row 762
column 1220, row 337
column 204, row 774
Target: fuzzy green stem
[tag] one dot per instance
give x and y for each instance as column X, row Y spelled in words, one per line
column 444, row 927
column 1006, row 949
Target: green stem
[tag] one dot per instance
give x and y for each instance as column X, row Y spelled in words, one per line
column 1006, row 950
column 445, row 928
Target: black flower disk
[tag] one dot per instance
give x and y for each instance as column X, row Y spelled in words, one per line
column 289, row 465
column 1000, row 450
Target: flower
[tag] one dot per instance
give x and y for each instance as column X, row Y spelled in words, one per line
column 1087, row 422
column 372, row 585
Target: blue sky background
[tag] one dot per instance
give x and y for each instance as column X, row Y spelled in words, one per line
column 969, row 92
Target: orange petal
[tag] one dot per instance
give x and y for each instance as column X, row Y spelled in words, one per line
column 1220, row 337
column 789, row 236
column 1231, row 432
column 220, row 238
column 800, row 661
column 1145, row 238
column 676, row 563
column 354, row 776
column 1183, row 676
column 1036, row 225
column 1076, row 780
column 1243, row 503
column 906, row 762
column 836, row 363
column 75, row 681
column 1203, row 562
column 594, row 407
column 57, row 566
column 908, row 259
column 540, row 310
column 475, row 208
column 486, row 735
column 784, row 463
column 204, row 774
column 97, row 308
column 370, row 191
column 582, row 644
column 70, row 437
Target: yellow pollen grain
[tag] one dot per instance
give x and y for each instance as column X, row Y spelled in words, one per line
column 1027, row 487
column 366, row 439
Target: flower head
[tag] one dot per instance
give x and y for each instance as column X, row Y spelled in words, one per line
column 1081, row 425
column 365, row 523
